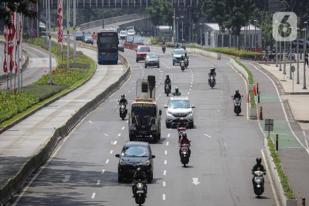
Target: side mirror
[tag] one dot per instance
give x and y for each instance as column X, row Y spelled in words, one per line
column 117, row 155
column 165, row 106
column 153, row 156
column 160, row 112
column 192, row 106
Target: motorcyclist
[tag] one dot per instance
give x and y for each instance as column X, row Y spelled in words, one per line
column 167, row 80
column 123, row 100
column 257, row 167
column 184, row 140
column 139, row 176
column 186, row 59
column 177, row 92
column 163, row 46
column 237, row 95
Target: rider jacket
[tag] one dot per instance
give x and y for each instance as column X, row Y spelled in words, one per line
column 258, row 167
column 167, row 81
column 237, row 96
column 123, row 101
column 184, row 140
column 139, row 175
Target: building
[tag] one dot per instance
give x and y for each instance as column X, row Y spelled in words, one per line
column 250, row 37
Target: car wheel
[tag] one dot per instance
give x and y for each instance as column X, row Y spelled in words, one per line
column 158, row 66
column 120, row 178
column 173, row 63
column 136, row 60
column 145, row 65
column 167, row 125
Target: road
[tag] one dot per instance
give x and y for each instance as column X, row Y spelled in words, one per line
column 83, row 171
column 38, row 64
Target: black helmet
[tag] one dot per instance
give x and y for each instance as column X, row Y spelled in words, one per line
column 258, row 160
column 123, row 96
column 167, row 76
column 237, row 91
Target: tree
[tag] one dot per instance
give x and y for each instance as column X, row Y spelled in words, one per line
column 8, row 7
column 161, row 12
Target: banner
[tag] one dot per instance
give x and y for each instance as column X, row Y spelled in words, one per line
column 60, row 21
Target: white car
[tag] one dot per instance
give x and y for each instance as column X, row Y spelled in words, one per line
column 179, row 108
column 177, row 55
column 123, row 34
column 131, row 32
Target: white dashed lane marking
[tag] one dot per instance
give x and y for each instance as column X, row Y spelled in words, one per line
column 107, row 161
column 103, row 171
column 164, row 172
column 111, row 152
column 168, row 135
column 123, row 127
column 163, row 184
column 165, row 162
column 93, row 195
column 167, row 143
column 165, row 152
column 98, row 182
column 163, row 197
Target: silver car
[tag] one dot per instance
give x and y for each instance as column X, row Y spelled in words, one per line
column 152, row 60
column 179, row 108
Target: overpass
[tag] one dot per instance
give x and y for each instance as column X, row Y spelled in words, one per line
column 84, row 4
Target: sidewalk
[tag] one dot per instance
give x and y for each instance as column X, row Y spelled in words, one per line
column 25, row 140
column 292, row 150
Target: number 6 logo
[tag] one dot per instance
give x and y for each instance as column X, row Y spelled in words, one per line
column 285, row 26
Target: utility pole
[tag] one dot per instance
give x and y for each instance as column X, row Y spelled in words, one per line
column 74, row 26
column 49, row 45
column 305, row 48
column 174, row 26
column 297, row 53
column 68, row 34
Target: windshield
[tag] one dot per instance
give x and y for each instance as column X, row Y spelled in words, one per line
column 144, row 49
column 152, row 56
column 179, row 104
column 143, row 111
column 135, row 151
column 179, row 51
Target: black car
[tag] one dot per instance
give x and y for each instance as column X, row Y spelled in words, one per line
column 135, row 154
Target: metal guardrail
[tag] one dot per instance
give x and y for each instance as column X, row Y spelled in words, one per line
column 110, row 20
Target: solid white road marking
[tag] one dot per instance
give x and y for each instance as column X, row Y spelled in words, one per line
column 163, row 197
column 164, row 184
column 103, row 171
column 93, row 195
column 98, row 182
column 107, row 161
column 123, row 127
column 111, row 152
column 195, row 181
column 165, row 162
column 207, row 135
column 167, row 143
column 305, row 136
column 164, row 172
column 165, row 152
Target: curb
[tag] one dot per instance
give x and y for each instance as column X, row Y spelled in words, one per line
column 15, row 184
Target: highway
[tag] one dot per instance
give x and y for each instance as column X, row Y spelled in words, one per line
column 83, row 170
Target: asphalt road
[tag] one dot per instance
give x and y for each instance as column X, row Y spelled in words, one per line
column 83, row 171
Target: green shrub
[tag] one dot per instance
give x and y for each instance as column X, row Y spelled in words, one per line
column 154, row 40
column 282, row 176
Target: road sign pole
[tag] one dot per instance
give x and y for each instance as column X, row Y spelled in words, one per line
column 277, row 142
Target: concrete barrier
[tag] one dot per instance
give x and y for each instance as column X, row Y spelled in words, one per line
column 203, row 52
column 275, row 178
column 17, row 182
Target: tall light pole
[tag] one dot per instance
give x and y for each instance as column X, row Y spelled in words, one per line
column 68, row 34
column 50, row 81
column 297, row 56
column 305, row 48
column 74, row 27
column 174, row 26
column 255, row 37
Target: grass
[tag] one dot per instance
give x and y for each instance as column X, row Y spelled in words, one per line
column 15, row 106
column 282, row 176
column 154, row 40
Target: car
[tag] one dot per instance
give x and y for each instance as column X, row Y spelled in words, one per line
column 121, row 45
column 131, row 32
column 179, row 108
column 152, row 60
column 178, row 54
column 79, row 36
column 130, row 39
column 135, row 154
column 141, row 52
column 88, row 38
column 123, row 34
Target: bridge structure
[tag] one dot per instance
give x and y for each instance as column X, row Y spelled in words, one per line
column 84, row 4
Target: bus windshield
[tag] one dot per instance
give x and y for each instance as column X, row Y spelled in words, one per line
column 108, row 42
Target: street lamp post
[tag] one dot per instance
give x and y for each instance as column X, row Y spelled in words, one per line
column 305, row 48
column 182, row 28
column 49, row 45
column 255, row 39
column 174, row 26
column 280, row 56
column 74, row 27
column 297, row 56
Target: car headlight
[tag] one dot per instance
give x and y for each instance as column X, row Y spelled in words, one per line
column 168, row 113
column 190, row 113
column 122, row 162
column 147, row 163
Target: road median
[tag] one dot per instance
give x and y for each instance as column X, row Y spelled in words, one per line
column 16, row 182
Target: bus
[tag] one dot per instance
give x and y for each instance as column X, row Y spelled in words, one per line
column 107, row 42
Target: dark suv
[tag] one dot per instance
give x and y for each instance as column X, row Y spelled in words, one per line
column 135, row 154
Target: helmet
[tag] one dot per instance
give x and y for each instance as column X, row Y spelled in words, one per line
column 167, row 76
column 258, row 160
column 237, row 91
column 123, row 96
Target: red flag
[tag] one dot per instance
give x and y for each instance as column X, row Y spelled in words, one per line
column 60, row 21
column 11, row 42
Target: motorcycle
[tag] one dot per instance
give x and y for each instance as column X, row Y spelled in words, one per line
column 212, row 81
column 182, row 65
column 184, row 152
column 258, row 182
column 237, row 106
column 140, row 193
column 167, row 89
column 123, row 111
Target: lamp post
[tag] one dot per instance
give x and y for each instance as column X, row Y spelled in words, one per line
column 305, row 48
column 297, row 57
column 182, row 17
column 49, row 45
column 255, row 39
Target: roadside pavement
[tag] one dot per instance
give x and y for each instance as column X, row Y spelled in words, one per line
column 287, row 108
column 24, row 140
